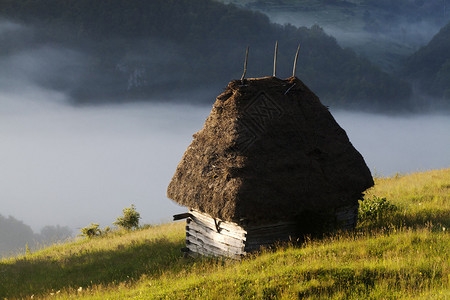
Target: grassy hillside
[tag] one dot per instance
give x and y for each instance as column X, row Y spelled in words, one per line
column 402, row 253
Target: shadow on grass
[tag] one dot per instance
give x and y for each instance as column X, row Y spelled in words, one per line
column 39, row 276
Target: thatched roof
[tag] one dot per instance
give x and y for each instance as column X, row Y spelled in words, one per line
column 268, row 151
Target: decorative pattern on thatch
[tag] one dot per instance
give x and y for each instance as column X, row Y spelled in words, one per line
column 269, row 151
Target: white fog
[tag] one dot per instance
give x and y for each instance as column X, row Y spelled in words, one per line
column 75, row 165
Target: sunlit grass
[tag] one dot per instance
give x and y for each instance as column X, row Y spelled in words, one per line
column 397, row 264
column 402, row 256
column 421, row 197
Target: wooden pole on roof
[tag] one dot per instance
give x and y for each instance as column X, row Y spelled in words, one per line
column 245, row 65
column 295, row 61
column 275, row 59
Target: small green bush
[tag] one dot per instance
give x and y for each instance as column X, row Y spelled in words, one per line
column 91, row 230
column 130, row 218
column 374, row 209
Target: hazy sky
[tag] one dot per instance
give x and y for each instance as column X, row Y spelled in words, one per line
column 402, row 144
column 71, row 166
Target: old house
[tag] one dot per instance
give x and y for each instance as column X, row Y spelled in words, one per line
column 270, row 164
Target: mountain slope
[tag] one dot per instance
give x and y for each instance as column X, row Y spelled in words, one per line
column 138, row 49
column 429, row 67
column 383, row 31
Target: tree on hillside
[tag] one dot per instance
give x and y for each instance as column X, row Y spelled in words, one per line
column 129, row 219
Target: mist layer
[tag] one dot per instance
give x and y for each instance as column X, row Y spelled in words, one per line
column 75, row 165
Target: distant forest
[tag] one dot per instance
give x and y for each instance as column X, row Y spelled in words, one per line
column 378, row 16
column 142, row 49
column 429, row 68
column 15, row 236
column 413, row 10
column 388, row 33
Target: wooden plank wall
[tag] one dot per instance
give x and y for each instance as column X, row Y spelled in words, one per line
column 210, row 237
column 266, row 235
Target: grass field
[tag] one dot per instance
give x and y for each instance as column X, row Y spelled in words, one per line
column 400, row 254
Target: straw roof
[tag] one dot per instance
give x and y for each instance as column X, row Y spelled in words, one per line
column 269, row 151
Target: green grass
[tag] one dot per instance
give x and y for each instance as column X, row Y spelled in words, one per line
column 421, row 198
column 402, row 255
